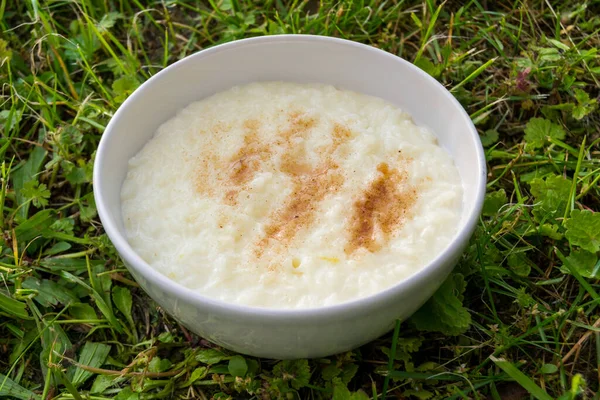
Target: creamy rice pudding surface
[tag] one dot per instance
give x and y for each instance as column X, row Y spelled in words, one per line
column 287, row 195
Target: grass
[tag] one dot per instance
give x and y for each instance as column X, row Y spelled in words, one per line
column 519, row 318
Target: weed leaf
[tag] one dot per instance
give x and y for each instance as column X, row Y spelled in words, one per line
column 237, row 366
column 26, row 173
column 11, row 389
column 92, row 355
column 444, row 312
column 539, row 130
column 583, row 230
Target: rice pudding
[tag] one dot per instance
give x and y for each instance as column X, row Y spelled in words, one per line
column 286, row 195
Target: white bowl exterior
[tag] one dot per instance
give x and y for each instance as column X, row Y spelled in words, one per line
column 348, row 65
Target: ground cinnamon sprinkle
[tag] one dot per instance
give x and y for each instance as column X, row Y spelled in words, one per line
column 380, row 211
column 246, row 162
column 340, row 135
column 311, row 184
column 233, row 174
column 299, row 124
column 376, row 215
column 299, row 210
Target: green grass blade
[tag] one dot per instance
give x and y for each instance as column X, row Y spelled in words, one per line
column 104, row 308
column 522, row 379
column 67, row 383
column 25, row 173
column 13, row 307
column 571, row 203
column 425, row 376
column 92, row 355
column 11, row 389
column 37, row 225
column 573, row 270
column 123, row 301
column 391, row 358
column 474, row 74
column 429, row 31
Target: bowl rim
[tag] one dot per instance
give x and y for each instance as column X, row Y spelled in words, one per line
column 364, row 304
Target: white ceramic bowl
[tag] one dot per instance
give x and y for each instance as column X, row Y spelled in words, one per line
column 274, row 333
